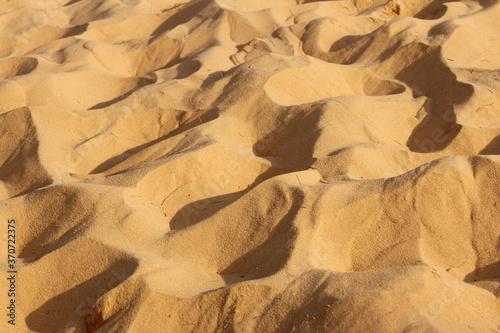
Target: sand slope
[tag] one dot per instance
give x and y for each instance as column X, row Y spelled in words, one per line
column 252, row 166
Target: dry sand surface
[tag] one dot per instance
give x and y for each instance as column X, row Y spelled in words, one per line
column 250, row 165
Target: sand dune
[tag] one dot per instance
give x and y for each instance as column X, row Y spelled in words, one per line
column 251, row 166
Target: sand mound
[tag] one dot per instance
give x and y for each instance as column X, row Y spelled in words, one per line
column 251, row 166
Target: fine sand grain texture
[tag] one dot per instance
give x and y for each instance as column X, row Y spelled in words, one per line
column 250, row 165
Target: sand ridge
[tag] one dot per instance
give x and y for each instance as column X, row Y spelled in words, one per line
column 252, row 166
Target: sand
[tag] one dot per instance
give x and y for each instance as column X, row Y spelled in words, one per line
column 251, row 166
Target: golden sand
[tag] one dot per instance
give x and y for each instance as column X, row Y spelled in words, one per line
column 251, row 165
